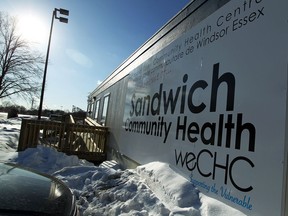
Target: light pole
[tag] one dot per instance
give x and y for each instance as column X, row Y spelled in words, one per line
column 61, row 19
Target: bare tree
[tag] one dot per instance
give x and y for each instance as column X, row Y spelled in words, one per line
column 20, row 66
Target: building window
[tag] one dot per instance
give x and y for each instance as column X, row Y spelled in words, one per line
column 96, row 111
column 105, row 109
column 89, row 107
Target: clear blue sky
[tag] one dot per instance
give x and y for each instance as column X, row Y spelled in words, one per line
column 100, row 35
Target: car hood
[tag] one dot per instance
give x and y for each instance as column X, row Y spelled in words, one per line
column 29, row 193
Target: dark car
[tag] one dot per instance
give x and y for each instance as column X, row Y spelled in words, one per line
column 26, row 192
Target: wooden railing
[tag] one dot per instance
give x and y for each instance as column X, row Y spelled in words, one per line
column 86, row 141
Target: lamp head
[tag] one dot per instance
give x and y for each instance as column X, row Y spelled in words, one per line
column 64, row 12
column 62, row 19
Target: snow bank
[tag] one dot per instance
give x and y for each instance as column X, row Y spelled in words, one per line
column 179, row 194
column 47, row 160
column 9, row 136
column 105, row 191
column 3, row 115
column 151, row 189
column 174, row 189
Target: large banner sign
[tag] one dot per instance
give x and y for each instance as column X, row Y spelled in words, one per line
column 213, row 105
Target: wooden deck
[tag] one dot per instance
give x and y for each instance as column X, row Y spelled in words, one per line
column 87, row 140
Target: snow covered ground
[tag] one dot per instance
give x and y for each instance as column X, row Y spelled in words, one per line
column 150, row 189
